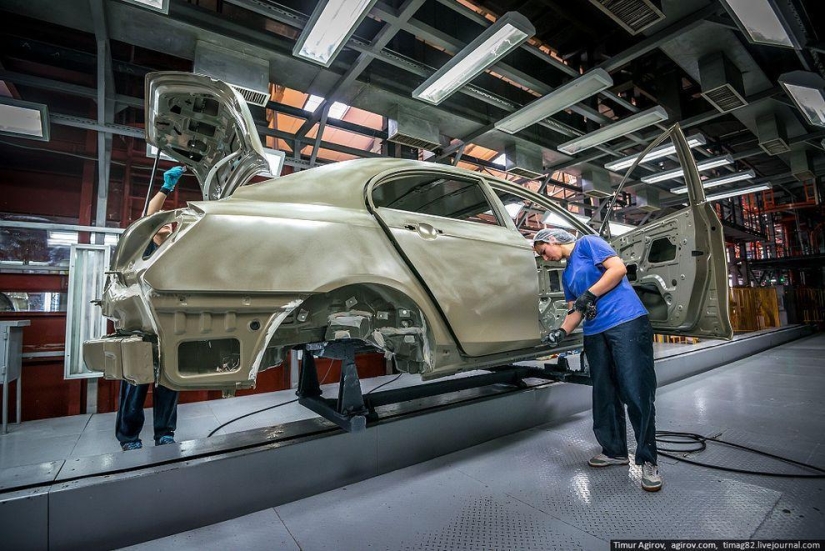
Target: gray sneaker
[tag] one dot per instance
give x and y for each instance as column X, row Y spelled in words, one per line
column 602, row 460
column 651, row 479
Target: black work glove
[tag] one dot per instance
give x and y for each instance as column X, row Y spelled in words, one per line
column 586, row 304
column 554, row 337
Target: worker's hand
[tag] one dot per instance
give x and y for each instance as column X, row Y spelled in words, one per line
column 586, row 304
column 171, row 177
column 554, row 337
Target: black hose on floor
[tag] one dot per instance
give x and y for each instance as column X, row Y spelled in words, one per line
column 699, row 443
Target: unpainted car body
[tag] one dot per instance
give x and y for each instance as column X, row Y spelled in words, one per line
column 418, row 260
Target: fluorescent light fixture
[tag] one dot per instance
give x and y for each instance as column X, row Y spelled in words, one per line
column 275, row 159
column 558, row 100
column 336, row 111
column 328, row 29
column 807, row 90
column 61, row 238
column 152, row 152
column 656, row 153
column 707, row 164
column 763, row 22
column 161, row 6
column 506, row 34
column 24, row 119
column 553, row 219
column 619, row 229
column 616, row 130
column 513, row 209
column 720, row 181
column 741, row 191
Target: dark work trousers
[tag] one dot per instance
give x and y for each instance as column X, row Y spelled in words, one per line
column 621, row 368
column 130, row 412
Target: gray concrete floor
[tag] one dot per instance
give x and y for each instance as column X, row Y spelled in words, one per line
column 533, row 489
column 87, row 435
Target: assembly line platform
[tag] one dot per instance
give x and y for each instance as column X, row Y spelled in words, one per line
column 493, row 472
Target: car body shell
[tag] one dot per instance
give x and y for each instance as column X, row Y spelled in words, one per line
column 316, row 257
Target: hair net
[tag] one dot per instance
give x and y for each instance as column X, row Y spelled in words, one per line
column 557, row 235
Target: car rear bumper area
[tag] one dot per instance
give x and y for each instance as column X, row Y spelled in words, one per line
column 128, row 358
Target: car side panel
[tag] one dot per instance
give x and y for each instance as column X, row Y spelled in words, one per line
column 231, row 272
column 483, row 277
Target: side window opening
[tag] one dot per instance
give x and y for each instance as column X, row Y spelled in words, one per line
column 436, row 195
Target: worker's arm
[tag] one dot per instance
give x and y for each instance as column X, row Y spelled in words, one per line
column 572, row 320
column 170, row 180
column 156, row 204
column 615, row 270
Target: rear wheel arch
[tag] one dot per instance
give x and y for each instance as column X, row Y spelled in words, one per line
column 379, row 315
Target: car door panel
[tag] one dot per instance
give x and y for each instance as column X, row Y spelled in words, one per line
column 482, row 277
column 677, row 264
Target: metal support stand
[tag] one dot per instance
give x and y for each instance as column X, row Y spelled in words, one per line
column 348, row 411
column 352, row 409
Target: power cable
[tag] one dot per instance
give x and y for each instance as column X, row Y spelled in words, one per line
column 384, row 384
column 699, row 443
column 266, row 408
column 293, row 401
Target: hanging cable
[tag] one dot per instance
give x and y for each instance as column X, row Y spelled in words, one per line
column 699, row 443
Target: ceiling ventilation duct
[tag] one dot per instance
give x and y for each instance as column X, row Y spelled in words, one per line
column 772, row 136
column 647, row 199
column 721, row 82
column 524, row 161
column 801, row 166
column 408, row 128
column 595, row 182
column 247, row 74
column 633, row 15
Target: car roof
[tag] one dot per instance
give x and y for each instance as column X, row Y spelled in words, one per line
column 337, row 184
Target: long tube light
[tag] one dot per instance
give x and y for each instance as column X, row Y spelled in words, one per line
column 558, row 100
column 24, row 119
column 807, row 90
column 657, row 153
column 707, row 164
column 161, row 6
column 720, row 181
column 763, row 22
column 506, row 34
column 553, row 219
column 616, row 130
column 736, row 192
column 329, row 27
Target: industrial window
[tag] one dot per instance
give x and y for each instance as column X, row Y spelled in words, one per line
column 438, row 196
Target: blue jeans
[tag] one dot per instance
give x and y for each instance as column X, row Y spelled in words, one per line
column 621, row 368
column 130, row 417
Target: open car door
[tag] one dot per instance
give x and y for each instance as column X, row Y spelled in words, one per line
column 206, row 125
column 677, row 264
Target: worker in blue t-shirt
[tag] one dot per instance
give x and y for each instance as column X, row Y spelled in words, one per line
column 618, row 344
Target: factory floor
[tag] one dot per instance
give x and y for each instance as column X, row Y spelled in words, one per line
column 534, row 490
column 86, row 435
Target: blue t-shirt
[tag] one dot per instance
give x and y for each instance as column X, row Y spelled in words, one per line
column 584, row 268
